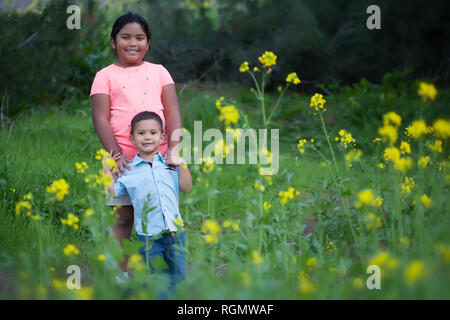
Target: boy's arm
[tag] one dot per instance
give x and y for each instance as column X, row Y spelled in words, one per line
column 184, row 178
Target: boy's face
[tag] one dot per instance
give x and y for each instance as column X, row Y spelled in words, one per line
column 147, row 136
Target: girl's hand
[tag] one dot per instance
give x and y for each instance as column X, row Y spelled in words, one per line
column 122, row 163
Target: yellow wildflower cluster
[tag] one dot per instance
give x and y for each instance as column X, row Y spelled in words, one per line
column 293, row 78
column 391, row 122
column 266, row 206
column 230, row 224
column 426, row 200
column 228, row 114
column 405, row 147
column 287, row 195
column 268, row 59
column 103, row 179
column 305, row 285
column 244, row 67
column 101, row 257
column 301, row 145
column 407, row 186
column 71, row 221
column 424, row 161
column 367, row 198
column 71, row 249
column 383, row 259
column 81, row 166
column 208, row 164
column 259, row 186
column 135, row 262
column 353, row 156
column 311, row 263
column 444, row 251
column 345, row 137
column 417, row 129
column 211, row 229
column 60, row 188
column 437, row 146
column 427, row 91
column 256, row 257
column 317, row 101
column 414, row 272
column 101, row 154
column 393, row 154
column 372, row 221
column 441, row 127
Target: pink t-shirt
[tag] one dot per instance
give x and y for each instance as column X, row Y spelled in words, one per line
column 132, row 90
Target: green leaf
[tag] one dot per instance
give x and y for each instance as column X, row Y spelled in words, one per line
column 131, row 247
column 159, row 263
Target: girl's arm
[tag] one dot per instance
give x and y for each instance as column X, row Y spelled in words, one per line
column 100, row 120
column 173, row 121
column 184, row 177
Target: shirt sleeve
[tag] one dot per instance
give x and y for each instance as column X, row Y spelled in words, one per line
column 100, row 84
column 166, row 78
column 119, row 188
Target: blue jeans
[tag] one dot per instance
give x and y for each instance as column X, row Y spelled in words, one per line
column 171, row 247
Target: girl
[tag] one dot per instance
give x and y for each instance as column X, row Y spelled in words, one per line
column 120, row 91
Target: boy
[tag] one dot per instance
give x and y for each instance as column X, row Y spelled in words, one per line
column 154, row 186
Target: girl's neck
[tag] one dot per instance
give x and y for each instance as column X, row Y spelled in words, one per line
column 125, row 65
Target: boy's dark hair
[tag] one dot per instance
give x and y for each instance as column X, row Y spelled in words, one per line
column 129, row 18
column 146, row 115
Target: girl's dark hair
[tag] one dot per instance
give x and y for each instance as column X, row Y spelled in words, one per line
column 130, row 18
column 146, row 115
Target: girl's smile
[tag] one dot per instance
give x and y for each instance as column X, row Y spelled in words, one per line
column 131, row 45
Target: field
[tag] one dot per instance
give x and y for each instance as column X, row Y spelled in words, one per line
column 361, row 182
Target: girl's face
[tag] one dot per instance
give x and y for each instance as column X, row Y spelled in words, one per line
column 131, row 44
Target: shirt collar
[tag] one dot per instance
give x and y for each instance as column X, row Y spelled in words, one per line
column 137, row 159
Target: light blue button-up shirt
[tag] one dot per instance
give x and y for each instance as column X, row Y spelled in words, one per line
column 156, row 184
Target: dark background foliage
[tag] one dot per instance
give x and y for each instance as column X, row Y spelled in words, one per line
column 323, row 41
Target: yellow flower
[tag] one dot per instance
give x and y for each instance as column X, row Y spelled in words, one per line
column 211, row 229
column 441, row 127
column 256, row 257
column 101, row 154
column 403, row 164
column 71, row 249
column 417, row 129
column 101, row 257
column 353, row 156
column 380, row 165
column 346, row 137
column 84, row 293
column 392, row 118
column 414, row 272
column 305, row 285
column 317, row 101
column 268, row 59
column 60, row 188
column 235, row 226
column 226, row 223
column 81, row 166
column 404, row 242
column 311, row 262
column 208, row 165
column 255, row 69
column 366, row 197
column 388, row 132
column 267, row 206
column 287, row 195
column 22, row 204
column 426, row 201
column 293, row 78
column 246, row 278
column 178, row 222
column 405, row 147
column 357, row 283
column 391, row 154
column 427, row 91
column 59, row 284
column 437, row 146
column 244, row 67
column 89, row 212
column 229, row 114
column 259, row 186
column 135, row 262
column 424, row 161
column 71, row 221
column 372, row 221
column 408, row 185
